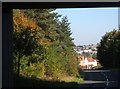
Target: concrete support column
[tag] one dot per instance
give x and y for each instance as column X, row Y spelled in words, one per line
column 7, row 48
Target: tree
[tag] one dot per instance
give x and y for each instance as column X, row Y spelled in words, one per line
column 86, row 54
column 45, row 43
column 94, row 55
column 25, row 36
column 108, row 49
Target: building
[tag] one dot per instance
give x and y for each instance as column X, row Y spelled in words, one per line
column 88, row 62
column 86, row 49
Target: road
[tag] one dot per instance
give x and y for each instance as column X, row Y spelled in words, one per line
column 103, row 79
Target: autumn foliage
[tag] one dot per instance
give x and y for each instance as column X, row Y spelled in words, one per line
column 21, row 21
column 43, row 47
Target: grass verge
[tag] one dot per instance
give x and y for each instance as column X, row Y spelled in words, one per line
column 36, row 83
column 75, row 79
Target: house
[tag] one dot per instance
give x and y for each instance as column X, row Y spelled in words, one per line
column 88, row 62
column 86, row 49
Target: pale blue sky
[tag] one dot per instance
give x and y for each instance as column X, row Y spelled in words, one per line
column 89, row 24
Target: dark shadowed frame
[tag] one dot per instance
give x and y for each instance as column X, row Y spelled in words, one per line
column 7, row 28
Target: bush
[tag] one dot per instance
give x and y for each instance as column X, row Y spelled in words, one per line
column 34, row 70
column 96, row 67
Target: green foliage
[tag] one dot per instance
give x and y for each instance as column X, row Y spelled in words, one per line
column 97, row 67
column 109, row 49
column 46, row 45
column 94, row 55
column 78, row 80
column 86, row 54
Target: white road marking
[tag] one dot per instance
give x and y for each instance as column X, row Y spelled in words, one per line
column 106, row 79
column 107, row 82
column 105, row 87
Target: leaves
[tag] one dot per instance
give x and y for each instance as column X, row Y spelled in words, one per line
column 45, row 44
column 108, row 49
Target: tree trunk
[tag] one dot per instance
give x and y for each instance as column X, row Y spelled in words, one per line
column 18, row 71
column 28, row 63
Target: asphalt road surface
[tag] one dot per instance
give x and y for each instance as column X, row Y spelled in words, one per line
column 102, row 79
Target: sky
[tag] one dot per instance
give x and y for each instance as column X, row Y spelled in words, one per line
column 88, row 25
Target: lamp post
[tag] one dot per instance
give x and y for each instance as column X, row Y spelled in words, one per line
column 119, row 28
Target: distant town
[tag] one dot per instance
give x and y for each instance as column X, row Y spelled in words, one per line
column 87, row 55
column 91, row 49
